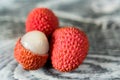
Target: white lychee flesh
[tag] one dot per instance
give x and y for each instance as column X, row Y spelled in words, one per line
column 36, row 42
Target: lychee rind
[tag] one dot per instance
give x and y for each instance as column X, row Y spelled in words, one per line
column 27, row 59
column 42, row 19
column 69, row 47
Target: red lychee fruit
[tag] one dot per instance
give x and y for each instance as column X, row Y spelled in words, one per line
column 42, row 19
column 31, row 50
column 69, row 47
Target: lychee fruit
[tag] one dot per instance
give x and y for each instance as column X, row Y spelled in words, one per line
column 69, row 47
column 42, row 19
column 31, row 50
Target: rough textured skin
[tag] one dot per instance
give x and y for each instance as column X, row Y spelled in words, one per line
column 42, row 19
column 28, row 60
column 69, row 47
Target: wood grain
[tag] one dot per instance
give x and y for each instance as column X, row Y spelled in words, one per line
column 102, row 62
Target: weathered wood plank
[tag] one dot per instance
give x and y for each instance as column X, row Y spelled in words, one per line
column 102, row 62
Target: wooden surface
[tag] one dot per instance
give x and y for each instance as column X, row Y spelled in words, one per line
column 102, row 62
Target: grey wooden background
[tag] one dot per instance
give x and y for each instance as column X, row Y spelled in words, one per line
column 101, row 24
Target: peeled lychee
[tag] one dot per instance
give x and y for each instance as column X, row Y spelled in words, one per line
column 69, row 47
column 31, row 50
column 42, row 19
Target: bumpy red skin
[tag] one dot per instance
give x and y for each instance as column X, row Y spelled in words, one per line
column 42, row 19
column 27, row 59
column 69, row 47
